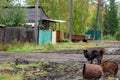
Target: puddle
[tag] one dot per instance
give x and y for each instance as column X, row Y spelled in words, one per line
column 112, row 50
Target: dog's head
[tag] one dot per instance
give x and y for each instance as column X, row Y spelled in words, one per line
column 85, row 51
column 102, row 50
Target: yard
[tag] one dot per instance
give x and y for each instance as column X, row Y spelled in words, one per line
column 34, row 38
column 63, row 61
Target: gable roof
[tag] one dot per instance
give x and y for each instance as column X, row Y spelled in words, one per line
column 31, row 11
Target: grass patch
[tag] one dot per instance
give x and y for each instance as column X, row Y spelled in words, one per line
column 7, row 66
column 24, row 66
column 76, row 46
column 23, row 71
column 11, row 77
column 41, row 69
column 18, row 47
column 31, row 47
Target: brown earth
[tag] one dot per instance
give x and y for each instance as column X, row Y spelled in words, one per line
column 59, row 56
column 66, row 57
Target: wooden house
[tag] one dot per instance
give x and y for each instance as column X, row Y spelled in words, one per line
column 45, row 33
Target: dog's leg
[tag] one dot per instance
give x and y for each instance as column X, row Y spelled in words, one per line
column 91, row 61
column 99, row 61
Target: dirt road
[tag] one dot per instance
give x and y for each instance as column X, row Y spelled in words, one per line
column 54, row 57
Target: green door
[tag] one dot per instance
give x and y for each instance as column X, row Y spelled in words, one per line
column 44, row 36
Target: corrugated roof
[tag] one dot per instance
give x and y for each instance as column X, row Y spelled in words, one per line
column 2, row 25
column 51, row 20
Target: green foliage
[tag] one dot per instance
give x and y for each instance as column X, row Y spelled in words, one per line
column 109, row 37
column 80, row 15
column 60, row 9
column 117, row 35
column 12, row 15
column 92, row 22
column 111, row 19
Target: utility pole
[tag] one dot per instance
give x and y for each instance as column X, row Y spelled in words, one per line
column 101, row 23
column 36, row 21
column 96, row 21
column 70, row 26
column 99, row 16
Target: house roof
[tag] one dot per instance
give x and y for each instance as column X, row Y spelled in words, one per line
column 30, row 14
column 2, row 26
column 51, row 20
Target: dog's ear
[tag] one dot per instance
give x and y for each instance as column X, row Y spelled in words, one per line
column 84, row 51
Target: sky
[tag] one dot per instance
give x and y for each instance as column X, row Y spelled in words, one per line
column 117, row 0
column 21, row 1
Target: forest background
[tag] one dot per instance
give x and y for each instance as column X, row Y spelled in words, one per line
column 84, row 15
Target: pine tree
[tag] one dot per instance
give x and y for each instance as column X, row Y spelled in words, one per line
column 111, row 19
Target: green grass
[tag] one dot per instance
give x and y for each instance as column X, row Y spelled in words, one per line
column 32, row 47
column 24, row 66
column 23, row 71
column 10, row 77
column 7, row 72
column 67, row 46
column 18, row 47
column 6, row 66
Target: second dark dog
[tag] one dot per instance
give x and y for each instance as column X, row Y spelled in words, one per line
column 91, row 55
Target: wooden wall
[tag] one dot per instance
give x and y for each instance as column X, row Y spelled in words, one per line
column 9, row 34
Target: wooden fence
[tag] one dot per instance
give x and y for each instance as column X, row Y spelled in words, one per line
column 9, row 34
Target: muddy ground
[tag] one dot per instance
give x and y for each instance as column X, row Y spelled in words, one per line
column 62, row 57
column 66, row 57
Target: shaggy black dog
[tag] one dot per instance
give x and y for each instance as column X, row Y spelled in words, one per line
column 91, row 55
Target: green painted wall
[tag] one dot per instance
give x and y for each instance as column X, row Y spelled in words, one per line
column 97, row 32
column 44, row 36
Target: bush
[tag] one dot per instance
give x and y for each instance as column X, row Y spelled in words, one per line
column 117, row 35
column 109, row 37
column 12, row 16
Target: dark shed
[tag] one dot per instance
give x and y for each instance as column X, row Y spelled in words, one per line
column 30, row 17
